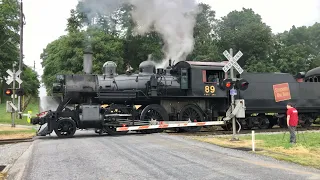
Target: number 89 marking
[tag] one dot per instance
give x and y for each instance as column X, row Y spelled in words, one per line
column 209, row 89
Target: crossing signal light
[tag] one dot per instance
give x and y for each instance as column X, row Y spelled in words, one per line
column 227, row 84
column 242, row 84
column 8, row 92
column 20, row 92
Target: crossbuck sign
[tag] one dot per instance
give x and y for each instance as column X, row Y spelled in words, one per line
column 13, row 76
column 232, row 62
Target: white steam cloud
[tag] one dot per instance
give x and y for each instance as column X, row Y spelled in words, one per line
column 174, row 20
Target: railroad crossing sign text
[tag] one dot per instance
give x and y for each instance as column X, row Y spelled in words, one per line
column 232, row 62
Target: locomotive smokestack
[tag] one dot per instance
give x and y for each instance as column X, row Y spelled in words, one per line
column 87, row 61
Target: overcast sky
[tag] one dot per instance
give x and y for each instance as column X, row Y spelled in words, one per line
column 46, row 19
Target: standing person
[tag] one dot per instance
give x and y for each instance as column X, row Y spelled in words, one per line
column 292, row 121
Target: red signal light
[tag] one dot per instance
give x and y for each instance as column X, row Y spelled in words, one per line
column 8, row 92
column 226, row 84
column 242, row 84
column 20, row 92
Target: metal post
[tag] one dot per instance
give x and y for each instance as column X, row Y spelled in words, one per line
column 253, row 139
column 232, row 102
column 21, row 51
column 13, row 115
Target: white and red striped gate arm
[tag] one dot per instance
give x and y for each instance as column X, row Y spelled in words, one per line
column 165, row 126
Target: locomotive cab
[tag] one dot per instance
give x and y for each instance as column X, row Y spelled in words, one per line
column 201, row 78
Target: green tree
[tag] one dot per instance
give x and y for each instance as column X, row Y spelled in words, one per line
column 297, row 50
column 245, row 31
column 137, row 48
column 206, row 48
column 65, row 55
column 31, row 83
column 9, row 38
column 74, row 21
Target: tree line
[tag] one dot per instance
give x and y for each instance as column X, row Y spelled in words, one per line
column 112, row 39
column 9, row 50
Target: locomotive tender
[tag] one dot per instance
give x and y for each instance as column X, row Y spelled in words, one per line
column 302, row 90
column 185, row 92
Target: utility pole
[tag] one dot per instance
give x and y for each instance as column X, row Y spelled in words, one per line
column 21, row 51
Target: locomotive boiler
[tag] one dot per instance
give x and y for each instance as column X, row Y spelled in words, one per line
column 188, row 91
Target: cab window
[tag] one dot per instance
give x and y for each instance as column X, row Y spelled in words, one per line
column 212, row 76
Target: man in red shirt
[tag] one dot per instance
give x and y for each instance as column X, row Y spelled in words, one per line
column 292, row 121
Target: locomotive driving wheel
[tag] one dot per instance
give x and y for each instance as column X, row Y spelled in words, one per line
column 153, row 112
column 66, row 128
column 305, row 121
column 114, row 109
column 192, row 113
column 263, row 121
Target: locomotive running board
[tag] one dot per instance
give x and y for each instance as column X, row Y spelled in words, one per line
column 165, row 126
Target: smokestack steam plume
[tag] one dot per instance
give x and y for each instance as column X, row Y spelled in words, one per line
column 174, row 20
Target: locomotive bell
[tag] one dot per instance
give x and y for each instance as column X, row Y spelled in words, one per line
column 87, row 62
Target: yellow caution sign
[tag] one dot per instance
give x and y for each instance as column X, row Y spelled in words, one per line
column 29, row 116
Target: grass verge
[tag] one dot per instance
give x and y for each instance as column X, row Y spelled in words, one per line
column 306, row 152
column 16, row 133
column 5, row 118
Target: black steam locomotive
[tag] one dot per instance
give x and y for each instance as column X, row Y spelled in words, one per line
column 188, row 91
column 185, row 92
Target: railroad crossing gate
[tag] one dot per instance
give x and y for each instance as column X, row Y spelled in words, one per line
column 10, row 107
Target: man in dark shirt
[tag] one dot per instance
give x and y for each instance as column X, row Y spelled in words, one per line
column 292, row 121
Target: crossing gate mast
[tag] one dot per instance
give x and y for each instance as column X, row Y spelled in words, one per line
column 12, row 78
column 240, row 84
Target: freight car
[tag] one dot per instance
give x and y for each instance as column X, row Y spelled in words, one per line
column 187, row 92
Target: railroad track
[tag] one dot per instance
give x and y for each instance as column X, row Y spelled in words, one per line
column 11, row 141
column 257, row 131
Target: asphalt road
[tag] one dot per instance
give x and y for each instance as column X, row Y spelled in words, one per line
column 153, row 156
